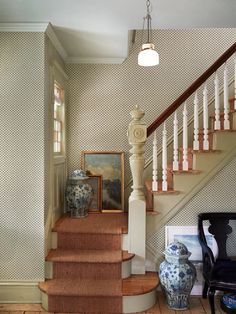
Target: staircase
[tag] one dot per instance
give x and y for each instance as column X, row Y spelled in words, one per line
column 88, row 271
column 207, row 143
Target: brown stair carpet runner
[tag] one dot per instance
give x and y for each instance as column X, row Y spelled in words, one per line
column 87, row 265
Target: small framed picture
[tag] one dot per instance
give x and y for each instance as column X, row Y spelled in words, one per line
column 95, row 181
column 109, row 165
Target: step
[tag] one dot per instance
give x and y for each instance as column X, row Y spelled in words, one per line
column 140, row 284
column 94, row 223
column 87, row 264
column 138, row 293
column 148, row 185
column 70, row 295
column 88, row 256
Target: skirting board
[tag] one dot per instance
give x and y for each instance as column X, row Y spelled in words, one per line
column 20, row 292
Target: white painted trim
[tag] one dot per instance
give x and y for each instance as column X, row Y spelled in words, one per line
column 88, row 60
column 55, row 41
column 61, row 70
column 20, row 292
column 54, row 240
column 139, row 303
column 23, row 27
column 126, row 269
column 125, row 242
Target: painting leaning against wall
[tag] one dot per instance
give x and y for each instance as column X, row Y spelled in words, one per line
column 110, row 165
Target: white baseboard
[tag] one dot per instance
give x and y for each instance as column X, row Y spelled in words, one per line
column 20, row 292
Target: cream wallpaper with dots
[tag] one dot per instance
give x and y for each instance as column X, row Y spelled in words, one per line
column 21, row 156
column 101, row 96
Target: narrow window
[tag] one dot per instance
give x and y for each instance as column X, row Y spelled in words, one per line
column 58, row 128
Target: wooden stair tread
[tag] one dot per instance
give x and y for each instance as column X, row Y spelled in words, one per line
column 82, row 287
column 88, row 256
column 190, row 171
column 96, row 223
column 140, row 284
column 214, row 151
column 152, row 212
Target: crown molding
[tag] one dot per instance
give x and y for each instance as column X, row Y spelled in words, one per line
column 39, row 28
column 55, row 41
column 84, row 60
column 23, row 27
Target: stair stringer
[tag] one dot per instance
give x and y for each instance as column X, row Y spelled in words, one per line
column 209, row 164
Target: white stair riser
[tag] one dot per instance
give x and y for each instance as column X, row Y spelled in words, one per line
column 139, row 303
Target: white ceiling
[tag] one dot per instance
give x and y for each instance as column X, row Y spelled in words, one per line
column 98, row 29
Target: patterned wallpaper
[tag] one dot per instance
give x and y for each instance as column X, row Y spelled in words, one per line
column 101, row 96
column 22, row 156
column 217, row 196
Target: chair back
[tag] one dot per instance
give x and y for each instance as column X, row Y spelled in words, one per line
column 219, row 228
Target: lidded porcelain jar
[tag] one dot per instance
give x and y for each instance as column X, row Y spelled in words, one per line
column 177, row 276
column 78, row 194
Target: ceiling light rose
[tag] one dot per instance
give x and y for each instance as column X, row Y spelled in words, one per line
column 148, row 56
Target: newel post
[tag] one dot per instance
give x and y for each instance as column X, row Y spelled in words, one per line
column 137, row 135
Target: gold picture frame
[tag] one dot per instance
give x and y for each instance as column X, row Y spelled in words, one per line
column 110, row 165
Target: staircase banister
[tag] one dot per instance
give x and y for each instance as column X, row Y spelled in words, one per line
column 192, row 88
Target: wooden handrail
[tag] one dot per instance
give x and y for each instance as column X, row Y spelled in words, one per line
column 192, row 88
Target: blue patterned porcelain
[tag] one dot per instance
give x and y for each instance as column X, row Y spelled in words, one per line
column 78, row 194
column 177, row 276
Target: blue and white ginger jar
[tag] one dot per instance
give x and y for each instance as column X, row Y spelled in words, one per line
column 177, row 276
column 78, row 194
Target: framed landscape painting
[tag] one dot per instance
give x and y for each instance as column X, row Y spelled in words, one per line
column 110, row 165
column 96, row 183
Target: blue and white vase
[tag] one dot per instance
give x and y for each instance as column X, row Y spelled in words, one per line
column 78, row 194
column 177, row 276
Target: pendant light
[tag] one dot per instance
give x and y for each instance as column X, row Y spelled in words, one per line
column 147, row 56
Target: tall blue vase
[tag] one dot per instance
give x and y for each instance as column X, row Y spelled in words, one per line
column 177, row 276
column 78, row 194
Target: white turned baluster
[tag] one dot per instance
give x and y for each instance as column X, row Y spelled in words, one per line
column 154, row 169
column 205, row 119
column 164, row 158
column 235, row 81
column 185, row 138
column 175, row 148
column 196, row 124
column 226, row 100
column 217, row 104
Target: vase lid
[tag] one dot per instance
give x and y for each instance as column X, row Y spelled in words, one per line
column 177, row 249
column 78, row 175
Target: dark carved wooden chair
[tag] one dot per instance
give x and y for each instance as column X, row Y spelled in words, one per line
column 219, row 273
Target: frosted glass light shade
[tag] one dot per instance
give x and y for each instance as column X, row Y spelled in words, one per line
column 148, row 56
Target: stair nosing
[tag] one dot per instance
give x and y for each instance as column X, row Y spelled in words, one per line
column 125, row 256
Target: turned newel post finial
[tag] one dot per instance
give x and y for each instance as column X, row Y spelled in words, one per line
column 137, row 135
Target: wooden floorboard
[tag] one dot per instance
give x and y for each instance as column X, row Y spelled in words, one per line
column 197, row 306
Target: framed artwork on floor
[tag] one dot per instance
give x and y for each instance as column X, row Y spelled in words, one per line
column 95, row 182
column 109, row 165
column 188, row 235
